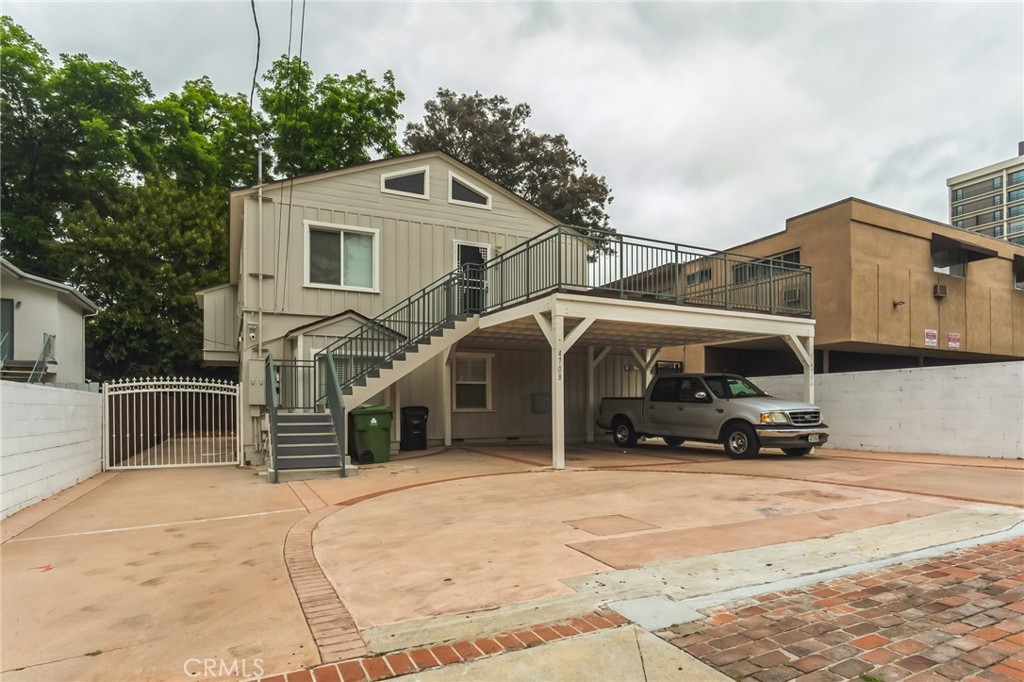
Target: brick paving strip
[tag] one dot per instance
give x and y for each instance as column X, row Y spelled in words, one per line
column 393, row 664
column 329, row 621
column 955, row 617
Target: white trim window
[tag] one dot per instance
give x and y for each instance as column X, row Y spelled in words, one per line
column 408, row 182
column 465, row 193
column 341, row 257
column 471, row 382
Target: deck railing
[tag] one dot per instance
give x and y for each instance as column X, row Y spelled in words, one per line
column 566, row 259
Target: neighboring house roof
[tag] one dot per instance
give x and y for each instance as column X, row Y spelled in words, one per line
column 239, row 195
column 68, row 292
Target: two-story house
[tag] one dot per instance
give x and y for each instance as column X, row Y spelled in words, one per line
column 427, row 284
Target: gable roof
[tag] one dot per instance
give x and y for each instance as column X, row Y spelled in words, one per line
column 238, row 196
column 326, row 321
column 67, row 291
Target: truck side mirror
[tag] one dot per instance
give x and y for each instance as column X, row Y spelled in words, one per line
column 702, row 396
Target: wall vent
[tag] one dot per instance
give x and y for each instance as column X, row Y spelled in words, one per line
column 939, row 291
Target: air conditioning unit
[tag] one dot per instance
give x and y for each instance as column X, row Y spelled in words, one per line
column 939, row 291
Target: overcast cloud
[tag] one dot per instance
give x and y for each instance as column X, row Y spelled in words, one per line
column 712, row 122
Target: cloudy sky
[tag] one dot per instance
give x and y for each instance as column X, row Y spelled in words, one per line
column 713, row 122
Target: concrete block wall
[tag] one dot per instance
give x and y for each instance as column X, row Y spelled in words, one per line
column 50, row 440
column 975, row 410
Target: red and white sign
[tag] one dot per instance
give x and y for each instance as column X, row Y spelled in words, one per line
column 954, row 340
column 931, row 337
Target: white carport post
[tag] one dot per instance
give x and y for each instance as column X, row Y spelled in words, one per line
column 803, row 347
column 592, row 362
column 446, row 394
column 554, row 332
column 647, row 360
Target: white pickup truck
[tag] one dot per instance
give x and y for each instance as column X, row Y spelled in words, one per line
column 714, row 408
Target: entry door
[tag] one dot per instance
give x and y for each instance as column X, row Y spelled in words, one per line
column 469, row 259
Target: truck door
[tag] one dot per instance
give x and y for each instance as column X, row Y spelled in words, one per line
column 696, row 414
column 662, row 408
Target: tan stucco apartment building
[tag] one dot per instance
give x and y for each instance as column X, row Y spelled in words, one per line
column 890, row 290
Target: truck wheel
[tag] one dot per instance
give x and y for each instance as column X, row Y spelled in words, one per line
column 740, row 441
column 623, row 433
column 797, row 452
column 673, row 441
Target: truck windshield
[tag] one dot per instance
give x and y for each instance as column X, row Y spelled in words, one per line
column 733, row 387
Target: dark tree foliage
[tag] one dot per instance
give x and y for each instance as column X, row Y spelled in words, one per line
column 124, row 195
column 490, row 135
column 329, row 124
column 142, row 264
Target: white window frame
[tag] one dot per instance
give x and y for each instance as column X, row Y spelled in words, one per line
column 489, row 357
column 473, row 186
column 308, row 225
column 407, row 171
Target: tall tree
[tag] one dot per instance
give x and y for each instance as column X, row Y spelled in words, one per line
column 29, row 187
column 491, row 135
column 333, row 123
column 142, row 264
column 124, row 194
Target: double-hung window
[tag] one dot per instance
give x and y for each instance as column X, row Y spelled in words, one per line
column 342, row 256
column 472, row 381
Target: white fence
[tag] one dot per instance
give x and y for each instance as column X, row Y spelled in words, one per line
column 51, row 441
column 170, row 422
column 975, row 410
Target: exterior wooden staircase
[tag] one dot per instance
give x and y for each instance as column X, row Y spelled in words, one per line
column 404, row 363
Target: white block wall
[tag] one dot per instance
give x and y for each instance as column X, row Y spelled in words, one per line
column 50, row 440
column 974, row 410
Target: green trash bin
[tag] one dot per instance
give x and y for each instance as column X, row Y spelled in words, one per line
column 373, row 433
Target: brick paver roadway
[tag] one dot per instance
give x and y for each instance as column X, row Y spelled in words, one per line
column 955, row 617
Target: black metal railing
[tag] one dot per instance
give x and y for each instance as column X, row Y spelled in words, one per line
column 298, row 384
column 336, row 405
column 270, row 392
column 567, row 259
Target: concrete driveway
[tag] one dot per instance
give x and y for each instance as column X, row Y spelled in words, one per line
column 155, row 574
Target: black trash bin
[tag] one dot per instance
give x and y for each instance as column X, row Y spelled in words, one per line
column 414, row 427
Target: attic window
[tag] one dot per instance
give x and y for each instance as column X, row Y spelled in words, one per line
column 409, row 182
column 465, row 193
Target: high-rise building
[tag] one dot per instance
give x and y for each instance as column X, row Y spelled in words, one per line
column 990, row 200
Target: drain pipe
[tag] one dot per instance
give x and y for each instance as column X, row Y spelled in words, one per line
column 259, row 231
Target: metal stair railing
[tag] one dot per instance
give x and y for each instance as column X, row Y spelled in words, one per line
column 45, row 357
column 270, row 388
column 456, row 296
column 336, row 405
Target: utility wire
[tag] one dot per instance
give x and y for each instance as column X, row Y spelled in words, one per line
column 291, row 181
column 256, row 69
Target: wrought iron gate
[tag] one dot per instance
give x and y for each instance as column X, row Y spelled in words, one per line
column 169, row 422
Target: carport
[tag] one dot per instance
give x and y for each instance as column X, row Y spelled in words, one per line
column 562, row 321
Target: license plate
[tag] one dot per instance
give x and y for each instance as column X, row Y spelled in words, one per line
column 813, row 438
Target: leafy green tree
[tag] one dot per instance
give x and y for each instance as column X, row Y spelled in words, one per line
column 29, row 171
column 204, row 138
column 125, row 195
column 329, row 124
column 142, row 265
column 490, row 135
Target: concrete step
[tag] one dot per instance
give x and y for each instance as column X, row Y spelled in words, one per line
column 321, row 449
column 307, row 462
column 286, row 475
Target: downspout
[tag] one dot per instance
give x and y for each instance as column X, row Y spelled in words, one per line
column 259, row 257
